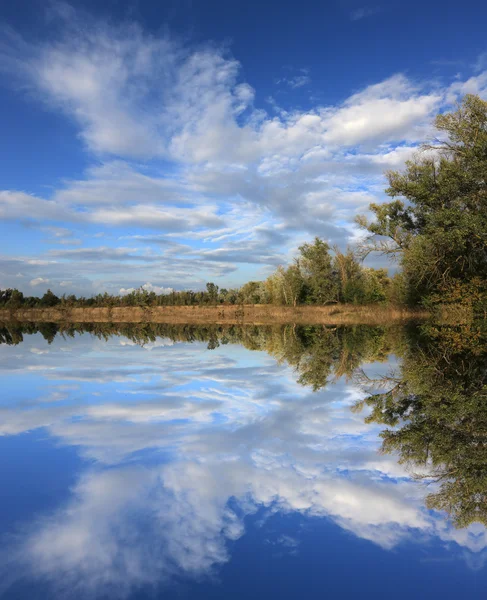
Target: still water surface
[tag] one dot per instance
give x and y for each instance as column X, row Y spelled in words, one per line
column 236, row 463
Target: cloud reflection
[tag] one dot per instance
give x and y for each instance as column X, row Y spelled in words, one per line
column 222, row 429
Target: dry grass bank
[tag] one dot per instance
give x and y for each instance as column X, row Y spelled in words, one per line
column 230, row 315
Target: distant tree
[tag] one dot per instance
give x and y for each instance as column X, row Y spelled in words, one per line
column 48, row 331
column 293, row 285
column 5, row 296
column 350, row 276
column 317, row 270
column 49, row 300
column 15, row 299
column 212, row 292
column 274, row 286
column 252, row 292
column 375, row 285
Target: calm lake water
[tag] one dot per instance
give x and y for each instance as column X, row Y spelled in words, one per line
column 236, row 463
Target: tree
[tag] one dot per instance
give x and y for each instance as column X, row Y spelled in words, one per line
column 438, row 226
column 253, row 292
column 274, row 286
column 293, row 284
column 49, row 299
column 350, row 277
column 317, row 271
column 15, row 299
column 5, row 296
column 374, row 285
column 212, row 291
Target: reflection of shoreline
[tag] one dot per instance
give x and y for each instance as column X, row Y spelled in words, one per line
column 318, row 353
column 233, row 314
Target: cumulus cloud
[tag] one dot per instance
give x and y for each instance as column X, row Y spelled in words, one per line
column 98, row 79
column 384, row 112
column 38, row 281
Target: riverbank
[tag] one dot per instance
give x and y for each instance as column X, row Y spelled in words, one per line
column 221, row 314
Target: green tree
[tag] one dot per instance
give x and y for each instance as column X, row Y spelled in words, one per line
column 274, row 286
column 375, row 284
column 252, row 292
column 293, row 285
column 317, row 270
column 438, row 223
column 49, row 300
column 212, row 291
column 15, row 299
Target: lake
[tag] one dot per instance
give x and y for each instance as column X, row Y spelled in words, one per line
column 164, row 461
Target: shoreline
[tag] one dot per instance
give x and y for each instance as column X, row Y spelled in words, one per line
column 258, row 314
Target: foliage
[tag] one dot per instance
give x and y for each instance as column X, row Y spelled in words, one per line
column 438, row 224
column 316, row 267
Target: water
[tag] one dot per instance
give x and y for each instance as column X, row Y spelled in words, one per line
column 183, row 462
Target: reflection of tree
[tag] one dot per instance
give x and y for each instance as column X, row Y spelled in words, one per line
column 317, row 353
column 436, row 413
column 320, row 353
column 12, row 333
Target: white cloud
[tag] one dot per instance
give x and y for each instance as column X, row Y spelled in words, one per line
column 102, row 253
column 38, row 281
column 152, row 217
column 385, row 112
column 17, row 205
column 98, row 78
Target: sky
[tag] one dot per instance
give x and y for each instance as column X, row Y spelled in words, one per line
column 168, row 144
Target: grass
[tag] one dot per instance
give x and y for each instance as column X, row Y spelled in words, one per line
column 230, row 314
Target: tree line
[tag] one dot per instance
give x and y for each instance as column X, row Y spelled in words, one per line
column 315, row 277
column 435, row 227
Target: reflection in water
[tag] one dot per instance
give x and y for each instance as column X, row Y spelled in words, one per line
column 180, row 445
column 316, row 352
column 436, row 413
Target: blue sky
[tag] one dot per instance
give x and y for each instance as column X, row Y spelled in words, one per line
column 169, row 144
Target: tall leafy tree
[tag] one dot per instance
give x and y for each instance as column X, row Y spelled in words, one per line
column 316, row 266
column 49, row 299
column 212, row 291
column 293, row 284
column 437, row 222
